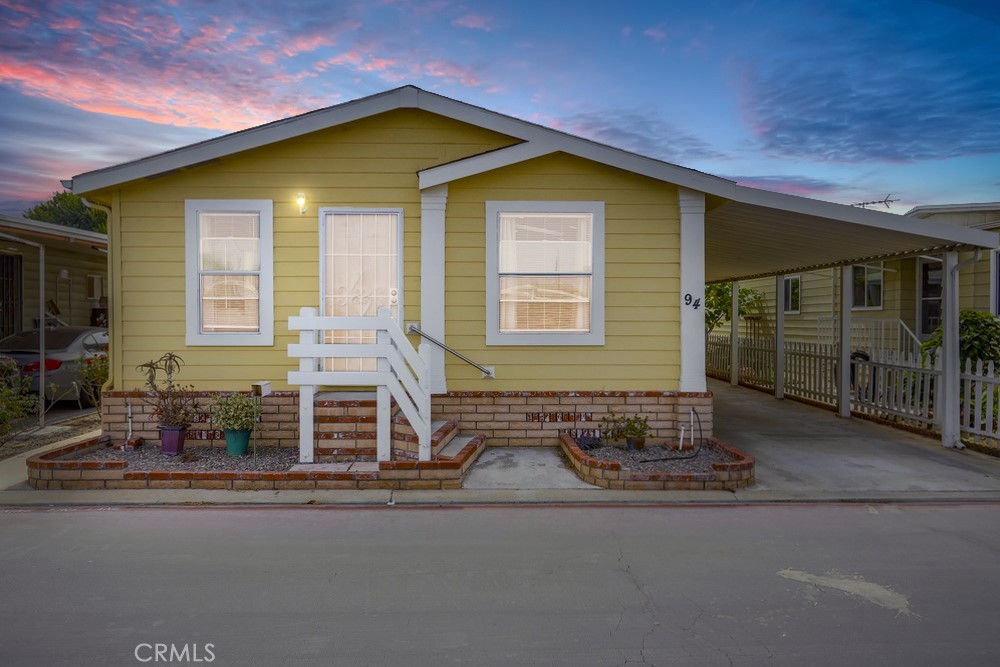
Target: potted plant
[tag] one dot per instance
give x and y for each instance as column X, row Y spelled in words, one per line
column 236, row 414
column 174, row 406
column 633, row 430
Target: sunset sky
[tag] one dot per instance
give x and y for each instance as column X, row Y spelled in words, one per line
column 844, row 101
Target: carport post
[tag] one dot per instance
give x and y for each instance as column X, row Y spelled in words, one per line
column 779, row 336
column 734, row 337
column 844, row 365
column 951, row 435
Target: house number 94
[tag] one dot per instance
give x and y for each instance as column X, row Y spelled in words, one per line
column 691, row 301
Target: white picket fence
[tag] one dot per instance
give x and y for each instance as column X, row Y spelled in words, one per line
column 401, row 374
column 901, row 388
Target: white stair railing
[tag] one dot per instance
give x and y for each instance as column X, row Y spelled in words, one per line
column 883, row 339
column 401, row 374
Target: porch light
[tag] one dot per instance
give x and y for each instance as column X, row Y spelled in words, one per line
column 302, row 202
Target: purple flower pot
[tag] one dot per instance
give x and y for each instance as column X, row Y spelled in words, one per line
column 172, row 439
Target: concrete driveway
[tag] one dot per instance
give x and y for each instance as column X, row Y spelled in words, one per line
column 808, row 452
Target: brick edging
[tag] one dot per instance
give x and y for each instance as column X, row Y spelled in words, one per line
column 45, row 472
column 727, row 476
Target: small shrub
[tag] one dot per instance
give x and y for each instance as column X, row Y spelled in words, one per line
column 239, row 412
column 17, row 403
column 93, row 375
column 615, row 427
column 978, row 337
column 173, row 404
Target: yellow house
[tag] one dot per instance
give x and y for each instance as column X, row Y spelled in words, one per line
column 551, row 279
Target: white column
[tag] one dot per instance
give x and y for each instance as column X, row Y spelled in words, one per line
column 692, row 209
column 734, row 337
column 779, row 337
column 433, row 202
column 950, row 362
column 307, row 393
column 383, row 409
column 844, row 340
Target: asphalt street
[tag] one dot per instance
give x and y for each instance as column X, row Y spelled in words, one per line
column 698, row 585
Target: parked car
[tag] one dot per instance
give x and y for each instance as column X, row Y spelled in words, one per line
column 66, row 352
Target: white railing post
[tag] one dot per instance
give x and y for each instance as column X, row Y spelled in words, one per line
column 844, row 364
column 384, row 398
column 425, row 406
column 307, row 394
column 734, row 336
column 779, row 337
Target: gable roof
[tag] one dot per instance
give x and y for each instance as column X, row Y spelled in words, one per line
column 929, row 210
column 749, row 232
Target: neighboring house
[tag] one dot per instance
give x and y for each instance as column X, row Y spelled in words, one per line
column 572, row 271
column 896, row 303
column 75, row 275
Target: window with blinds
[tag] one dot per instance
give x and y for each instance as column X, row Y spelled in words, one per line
column 229, row 260
column 545, row 272
column 361, row 271
column 229, row 272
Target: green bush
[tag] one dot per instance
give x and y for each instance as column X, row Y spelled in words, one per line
column 16, row 405
column 238, row 412
column 978, row 337
column 93, row 375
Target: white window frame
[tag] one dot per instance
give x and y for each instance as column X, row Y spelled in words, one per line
column 784, row 287
column 194, row 336
column 881, row 269
column 400, row 243
column 994, row 282
column 493, row 334
column 95, row 286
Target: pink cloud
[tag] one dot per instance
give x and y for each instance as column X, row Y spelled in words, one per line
column 475, row 22
column 450, row 72
column 656, row 33
column 65, row 24
column 21, row 8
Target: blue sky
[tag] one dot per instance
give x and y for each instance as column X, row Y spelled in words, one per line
column 843, row 101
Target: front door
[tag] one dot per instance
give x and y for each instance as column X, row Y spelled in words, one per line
column 361, row 271
column 929, row 291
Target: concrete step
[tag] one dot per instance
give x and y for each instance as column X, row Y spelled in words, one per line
column 455, row 445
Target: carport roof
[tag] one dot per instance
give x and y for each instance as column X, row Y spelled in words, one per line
column 754, row 233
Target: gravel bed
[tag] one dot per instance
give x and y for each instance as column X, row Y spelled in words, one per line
column 682, row 462
column 197, row 459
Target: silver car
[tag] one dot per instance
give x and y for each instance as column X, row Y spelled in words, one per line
column 67, row 350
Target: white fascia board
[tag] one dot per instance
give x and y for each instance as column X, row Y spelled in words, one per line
column 865, row 217
column 924, row 211
column 484, row 162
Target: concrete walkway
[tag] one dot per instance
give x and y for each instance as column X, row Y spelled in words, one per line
column 804, row 454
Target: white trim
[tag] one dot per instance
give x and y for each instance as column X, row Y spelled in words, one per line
column 400, row 229
column 918, row 312
column 34, row 228
column 692, row 211
column 493, row 335
column 433, row 204
column 484, row 162
column 193, row 333
column 796, row 276
column 931, row 209
column 844, row 343
column 779, row 336
column 948, row 393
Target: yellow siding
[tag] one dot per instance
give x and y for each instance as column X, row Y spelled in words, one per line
column 368, row 163
column 642, row 268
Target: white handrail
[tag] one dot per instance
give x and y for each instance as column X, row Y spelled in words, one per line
column 402, row 374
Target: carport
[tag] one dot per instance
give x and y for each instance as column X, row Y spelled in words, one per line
column 753, row 233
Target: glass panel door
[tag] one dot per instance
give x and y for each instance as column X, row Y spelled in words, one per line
column 360, row 274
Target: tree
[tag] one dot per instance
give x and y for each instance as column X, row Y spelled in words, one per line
column 68, row 209
column 719, row 303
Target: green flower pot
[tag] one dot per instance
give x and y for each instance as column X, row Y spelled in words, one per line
column 237, row 442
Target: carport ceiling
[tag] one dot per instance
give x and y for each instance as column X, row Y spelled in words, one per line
column 750, row 239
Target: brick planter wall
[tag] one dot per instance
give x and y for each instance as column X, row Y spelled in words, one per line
column 56, row 469
column 346, row 429
column 737, row 474
column 536, row 418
